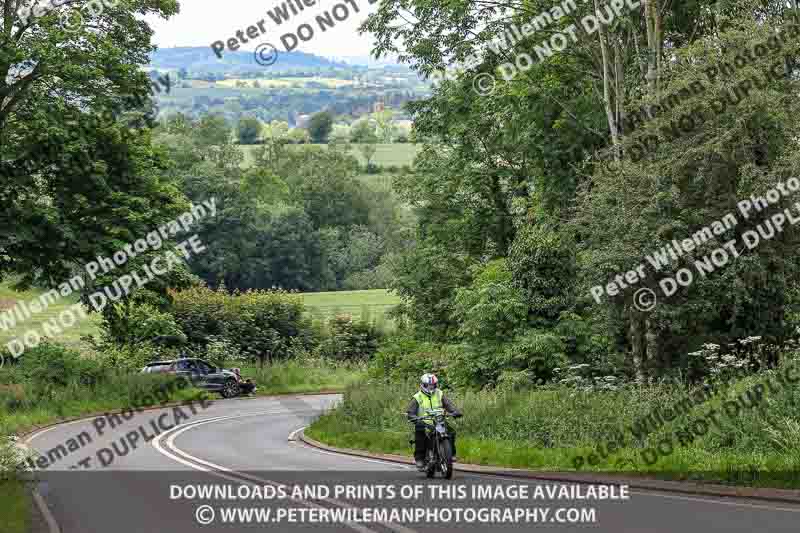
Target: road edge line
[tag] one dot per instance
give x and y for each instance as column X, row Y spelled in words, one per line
column 28, row 435
column 52, row 523
column 38, row 499
column 700, row 489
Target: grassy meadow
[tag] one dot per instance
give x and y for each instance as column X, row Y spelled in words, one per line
column 69, row 336
column 396, row 154
column 374, row 303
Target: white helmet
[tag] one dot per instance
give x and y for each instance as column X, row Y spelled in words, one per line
column 428, row 383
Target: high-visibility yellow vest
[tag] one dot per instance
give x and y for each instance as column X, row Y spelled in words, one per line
column 425, row 402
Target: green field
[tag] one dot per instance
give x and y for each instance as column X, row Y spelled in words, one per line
column 397, row 154
column 320, row 304
column 374, row 302
column 68, row 335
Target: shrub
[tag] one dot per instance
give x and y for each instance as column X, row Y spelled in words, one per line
column 129, row 357
column 136, row 323
column 405, row 358
column 491, row 307
column 543, row 266
column 536, row 352
column 260, row 324
column 12, row 397
column 51, row 365
column 11, row 460
column 349, row 340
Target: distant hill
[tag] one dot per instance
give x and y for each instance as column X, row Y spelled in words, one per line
column 203, row 59
column 369, row 61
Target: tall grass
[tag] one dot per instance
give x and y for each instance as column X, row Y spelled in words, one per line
column 548, row 428
column 15, row 504
column 24, row 404
column 305, row 375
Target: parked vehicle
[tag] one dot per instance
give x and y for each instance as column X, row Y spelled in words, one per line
column 228, row 382
column 439, row 454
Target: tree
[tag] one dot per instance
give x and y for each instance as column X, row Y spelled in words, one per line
column 319, row 126
column 74, row 180
column 498, row 176
column 368, row 148
column 299, row 136
column 213, row 130
column 249, row 130
column 362, row 129
column 277, row 131
column 385, row 125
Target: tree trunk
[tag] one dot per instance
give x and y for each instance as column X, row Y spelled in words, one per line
column 654, row 353
column 637, row 329
column 607, row 68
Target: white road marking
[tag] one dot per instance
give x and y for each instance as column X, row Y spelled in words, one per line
column 653, row 494
column 52, row 525
column 253, row 480
column 293, row 434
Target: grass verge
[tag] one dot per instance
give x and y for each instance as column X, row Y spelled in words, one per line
column 15, row 507
column 547, row 429
column 25, row 405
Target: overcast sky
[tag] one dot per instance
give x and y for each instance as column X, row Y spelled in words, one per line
column 201, row 22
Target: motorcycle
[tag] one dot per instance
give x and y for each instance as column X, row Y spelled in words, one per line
column 439, row 455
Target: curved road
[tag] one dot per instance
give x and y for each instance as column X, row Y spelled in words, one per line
column 148, row 474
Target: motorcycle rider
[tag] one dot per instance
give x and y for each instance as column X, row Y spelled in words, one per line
column 429, row 396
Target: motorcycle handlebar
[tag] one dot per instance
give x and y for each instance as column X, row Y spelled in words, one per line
column 431, row 416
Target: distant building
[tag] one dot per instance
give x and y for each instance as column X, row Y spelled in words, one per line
column 377, row 107
column 302, row 121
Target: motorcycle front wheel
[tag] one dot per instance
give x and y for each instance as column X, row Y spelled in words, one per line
column 446, row 458
column 432, row 462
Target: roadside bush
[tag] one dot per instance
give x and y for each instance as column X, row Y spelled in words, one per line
column 129, row 357
column 537, row 353
column 138, row 322
column 11, row 460
column 543, row 265
column 51, row 365
column 260, row 324
column 404, row 358
column 12, row 396
column 491, row 307
column 349, row 340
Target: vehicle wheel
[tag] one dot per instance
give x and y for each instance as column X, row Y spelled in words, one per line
column 230, row 389
column 447, row 458
column 431, row 470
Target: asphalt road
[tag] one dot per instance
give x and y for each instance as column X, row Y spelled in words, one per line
column 103, row 479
